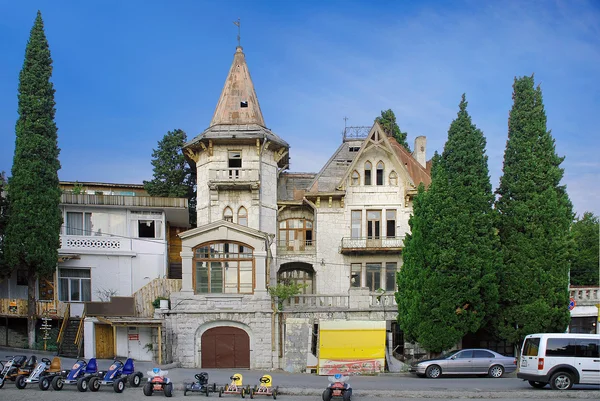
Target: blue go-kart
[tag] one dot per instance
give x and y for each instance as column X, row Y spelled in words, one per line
column 79, row 375
column 117, row 376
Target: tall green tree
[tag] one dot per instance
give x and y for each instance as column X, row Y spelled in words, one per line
column 34, row 219
column 4, row 268
column 447, row 286
column 173, row 176
column 585, row 265
column 534, row 217
column 387, row 120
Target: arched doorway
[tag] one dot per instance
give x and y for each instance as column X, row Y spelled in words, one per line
column 225, row 347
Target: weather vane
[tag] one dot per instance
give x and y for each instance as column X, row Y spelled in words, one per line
column 238, row 23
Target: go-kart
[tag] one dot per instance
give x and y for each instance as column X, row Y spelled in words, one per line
column 42, row 374
column 338, row 388
column 80, row 375
column 158, row 381
column 235, row 387
column 10, row 368
column 117, row 376
column 265, row 388
column 200, row 385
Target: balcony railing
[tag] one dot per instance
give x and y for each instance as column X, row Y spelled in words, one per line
column 296, row 246
column 224, row 175
column 585, row 295
column 307, row 302
column 122, row 200
column 372, row 245
column 85, row 242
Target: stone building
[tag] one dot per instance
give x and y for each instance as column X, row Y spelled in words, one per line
column 338, row 232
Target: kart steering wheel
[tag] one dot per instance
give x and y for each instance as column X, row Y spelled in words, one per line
column 119, row 361
column 46, row 361
column 199, row 376
column 235, row 377
column 264, row 380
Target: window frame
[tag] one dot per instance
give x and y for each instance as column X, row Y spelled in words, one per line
column 368, row 173
column 354, row 221
column 228, row 214
column 301, row 233
column 380, row 173
column 242, row 217
column 70, row 279
column 355, row 178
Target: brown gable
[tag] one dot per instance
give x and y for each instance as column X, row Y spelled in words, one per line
column 417, row 172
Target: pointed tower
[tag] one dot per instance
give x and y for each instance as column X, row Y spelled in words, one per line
column 238, row 103
column 238, row 158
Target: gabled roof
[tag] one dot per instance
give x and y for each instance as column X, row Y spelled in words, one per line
column 417, row 173
column 223, row 223
column 293, row 186
column 238, row 103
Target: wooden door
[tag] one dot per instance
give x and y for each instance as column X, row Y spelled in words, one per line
column 225, row 347
column 105, row 345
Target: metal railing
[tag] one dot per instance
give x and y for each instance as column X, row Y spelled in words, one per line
column 79, row 337
column 379, row 243
column 63, row 327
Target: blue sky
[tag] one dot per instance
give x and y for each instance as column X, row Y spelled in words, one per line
column 126, row 72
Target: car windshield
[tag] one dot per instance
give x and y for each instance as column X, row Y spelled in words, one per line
column 449, row 354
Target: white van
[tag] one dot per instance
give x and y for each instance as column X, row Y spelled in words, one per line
column 560, row 359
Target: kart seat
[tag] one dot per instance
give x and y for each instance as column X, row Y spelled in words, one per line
column 92, row 366
column 128, row 367
column 30, row 364
column 19, row 360
column 202, row 377
column 55, row 366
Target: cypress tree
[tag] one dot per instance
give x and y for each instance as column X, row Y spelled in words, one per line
column 534, row 216
column 4, row 269
column 387, row 120
column 34, row 221
column 452, row 255
column 586, row 238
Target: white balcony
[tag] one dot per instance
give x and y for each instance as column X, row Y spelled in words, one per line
column 372, row 245
column 81, row 243
column 233, row 178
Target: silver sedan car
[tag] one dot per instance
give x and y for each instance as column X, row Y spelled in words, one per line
column 477, row 361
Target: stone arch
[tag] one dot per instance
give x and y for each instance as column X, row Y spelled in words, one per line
column 300, row 273
column 224, row 344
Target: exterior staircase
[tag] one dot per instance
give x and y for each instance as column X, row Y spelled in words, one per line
column 68, row 346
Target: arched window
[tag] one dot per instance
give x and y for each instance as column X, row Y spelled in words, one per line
column 393, row 179
column 228, row 214
column 242, row 216
column 295, row 234
column 299, row 276
column 379, row 178
column 355, row 178
column 223, row 267
column 368, row 168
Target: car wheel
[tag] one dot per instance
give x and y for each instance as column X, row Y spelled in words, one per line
column 496, row 371
column 561, row 381
column 537, row 384
column 433, row 371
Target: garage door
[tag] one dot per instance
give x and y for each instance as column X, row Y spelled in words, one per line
column 225, row 347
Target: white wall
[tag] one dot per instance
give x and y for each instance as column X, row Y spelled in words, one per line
column 127, row 348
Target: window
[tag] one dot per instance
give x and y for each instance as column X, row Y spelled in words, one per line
column 560, row 347
column 298, row 276
column 22, row 277
column 393, row 179
column 587, row 348
column 368, row 173
column 242, row 216
column 464, row 355
column 373, row 276
column 79, row 223
column 355, row 178
column 244, row 104
column 74, row 285
column 390, row 222
column 356, row 223
column 296, row 234
column 228, row 214
column 379, row 174
column 373, row 224
column 234, row 163
column 531, row 347
column 149, row 229
column 355, row 273
column 353, row 148
column 390, row 276
column 224, row 267
column 482, row 354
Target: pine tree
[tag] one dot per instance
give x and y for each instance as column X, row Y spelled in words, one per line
column 585, row 263
column 4, row 269
column 173, row 177
column 387, row 120
column 447, row 285
column 34, row 220
column 534, row 216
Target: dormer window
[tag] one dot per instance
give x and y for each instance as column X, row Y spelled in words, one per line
column 368, row 167
column 244, row 103
column 353, row 148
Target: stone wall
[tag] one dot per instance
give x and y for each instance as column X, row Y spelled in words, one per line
column 17, row 333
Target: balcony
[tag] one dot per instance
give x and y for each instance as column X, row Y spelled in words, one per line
column 123, row 201
column 78, row 243
column 357, row 299
column 367, row 245
column 233, row 178
column 297, row 247
column 585, row 296
column 18, row 308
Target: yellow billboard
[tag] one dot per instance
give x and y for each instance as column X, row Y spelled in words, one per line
column 351, row 347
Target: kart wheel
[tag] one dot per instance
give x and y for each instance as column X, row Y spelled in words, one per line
column 251, row 393
column 147, row 389
column 1, row 383
column 206, row 390
column 168, row 390
column 119, row 385
column 136, row 379
column 82, row 385
column 433, row 371
column 243, row 393
column 275, row 392
column 58, row 383
column 184, row 392
column 220, row 392
column 347, row 395
column 44, row 383
column 20, row 382
column 327, row 394
column 93, row 384
column 537, row 384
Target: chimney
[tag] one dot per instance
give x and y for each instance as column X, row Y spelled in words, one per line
column 419, row 150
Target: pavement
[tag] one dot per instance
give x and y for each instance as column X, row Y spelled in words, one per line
column 383, row 385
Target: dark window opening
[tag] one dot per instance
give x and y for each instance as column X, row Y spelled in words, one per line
column 397, row 339
column 244, row 103
column 22, row 277
column 146, row 229
column 235, row 160
column 314, row 340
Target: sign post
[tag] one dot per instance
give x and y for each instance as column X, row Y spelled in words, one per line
column 572, row 304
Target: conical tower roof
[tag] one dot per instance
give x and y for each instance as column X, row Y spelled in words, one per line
column 238, row 104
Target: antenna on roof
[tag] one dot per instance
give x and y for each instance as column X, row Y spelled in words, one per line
column 344, row 133
column 238, row 23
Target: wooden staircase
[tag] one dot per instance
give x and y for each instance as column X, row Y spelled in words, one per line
column 69, row 347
